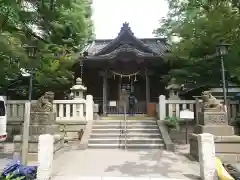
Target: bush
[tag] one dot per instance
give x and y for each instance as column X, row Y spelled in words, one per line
column 172, row 123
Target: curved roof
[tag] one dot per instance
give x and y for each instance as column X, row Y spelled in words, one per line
column 141, row 47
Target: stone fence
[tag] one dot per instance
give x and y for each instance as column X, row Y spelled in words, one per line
column 66, row 110
column 173, row 107
column 72, row 115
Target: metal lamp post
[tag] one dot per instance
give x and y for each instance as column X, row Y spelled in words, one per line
column 32, row 55
column 24, row 156
column 81, row 68
column 222, row 50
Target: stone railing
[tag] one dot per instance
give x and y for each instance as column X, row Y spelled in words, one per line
column 173, row 107
column 66, row 110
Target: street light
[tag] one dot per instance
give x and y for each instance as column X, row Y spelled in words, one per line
column 31, row 50
column 222, row 50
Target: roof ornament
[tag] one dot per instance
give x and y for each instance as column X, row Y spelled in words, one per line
column 126, row 27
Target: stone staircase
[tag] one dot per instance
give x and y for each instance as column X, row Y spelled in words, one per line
column 141, row 134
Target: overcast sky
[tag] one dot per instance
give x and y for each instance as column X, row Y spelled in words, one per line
column 142, row 16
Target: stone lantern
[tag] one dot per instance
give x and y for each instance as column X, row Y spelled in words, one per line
column 173, row 90
column 78, row 89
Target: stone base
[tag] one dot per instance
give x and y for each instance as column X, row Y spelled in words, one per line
column 227, row 148
column 215, row 130
column 43, row 129
column 33, row 145
column 44, row 118
column 212, row 118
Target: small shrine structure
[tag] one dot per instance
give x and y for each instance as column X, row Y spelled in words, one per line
column 112, row 68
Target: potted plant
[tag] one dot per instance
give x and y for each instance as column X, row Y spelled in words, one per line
column 172, row 123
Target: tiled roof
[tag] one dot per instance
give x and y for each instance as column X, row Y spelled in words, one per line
column 155, row 46
column 158, row 45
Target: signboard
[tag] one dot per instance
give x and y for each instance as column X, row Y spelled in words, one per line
column 186, row 114
column 112, row 103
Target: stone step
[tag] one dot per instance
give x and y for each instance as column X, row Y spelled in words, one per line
column 128, row 140
column 141, row 130
column 228, row 157
column 128, row 126
column 128, row 146
column 121, row 117
column 123, row 121
column 129, row 134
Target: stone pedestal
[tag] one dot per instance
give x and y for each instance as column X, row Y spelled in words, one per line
column 227, row 145
column 40, row 123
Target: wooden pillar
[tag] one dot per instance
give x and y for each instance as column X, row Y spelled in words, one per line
column 147, row 86
column 105, row 93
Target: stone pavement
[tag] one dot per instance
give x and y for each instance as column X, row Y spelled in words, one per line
column 109, row 163
column 6, row 154
column 114, row 178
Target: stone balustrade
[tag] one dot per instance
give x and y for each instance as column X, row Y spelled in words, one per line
column 72, row 115
column 173, row 107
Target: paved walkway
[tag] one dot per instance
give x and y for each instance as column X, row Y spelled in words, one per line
column 120, row 163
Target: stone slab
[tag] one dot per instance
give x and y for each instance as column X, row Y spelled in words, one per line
column 213, row 118
column 216, row 130
column 33, row 150
column 112, row 178
column 229, row 139
column 72, row 127
column 124, row 163
column 226, row 147
column 43, row 118
column 33, row 147
column 34, row 138
column 43, row 129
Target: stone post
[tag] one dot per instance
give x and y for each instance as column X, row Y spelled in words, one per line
column 162, row 107
column 45, row 156
column 206, row 154
column 25, row 138
column 89, row 108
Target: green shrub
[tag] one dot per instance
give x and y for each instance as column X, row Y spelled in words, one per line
column 172, row 123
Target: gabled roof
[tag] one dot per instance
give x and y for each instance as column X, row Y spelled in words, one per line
column 126, row 38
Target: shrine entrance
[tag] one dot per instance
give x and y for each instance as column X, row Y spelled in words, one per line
column 112, row 68
column 119, row 88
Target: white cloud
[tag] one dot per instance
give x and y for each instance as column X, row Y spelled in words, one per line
column 143, row 16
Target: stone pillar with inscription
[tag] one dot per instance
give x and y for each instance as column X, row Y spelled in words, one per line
column 207, row 158
column 214, row 120
column 42, row 121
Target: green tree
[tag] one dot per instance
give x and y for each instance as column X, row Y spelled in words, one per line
column 198, row 27
column 58, row 28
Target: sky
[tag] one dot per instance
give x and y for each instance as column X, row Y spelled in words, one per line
column 142, row 15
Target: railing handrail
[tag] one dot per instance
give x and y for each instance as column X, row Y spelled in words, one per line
column 125, row 125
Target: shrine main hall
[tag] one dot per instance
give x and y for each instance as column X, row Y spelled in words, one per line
column 112, row 68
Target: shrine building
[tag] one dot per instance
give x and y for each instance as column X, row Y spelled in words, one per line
column 112, row 68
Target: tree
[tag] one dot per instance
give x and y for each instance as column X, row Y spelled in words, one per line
column 58, row 28
column 199, row 26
